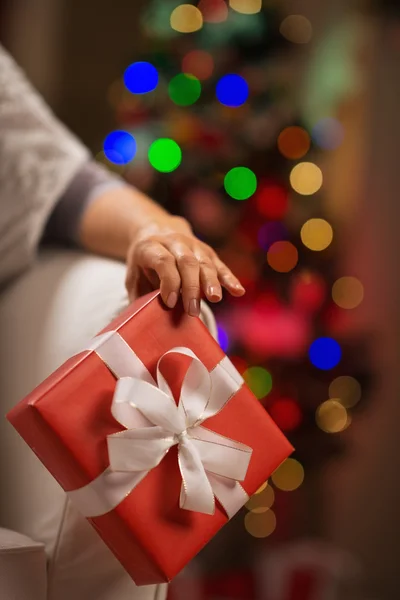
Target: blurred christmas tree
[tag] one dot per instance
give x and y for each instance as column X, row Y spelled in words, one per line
column 213, row 111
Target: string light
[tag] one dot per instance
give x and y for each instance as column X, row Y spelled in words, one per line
column 186, row 18
column 198, row 63
column 232, row 90
column 296, row 29
column 165, row 155
column 332, row 416
column 316, row 234
column 184, row 89
column 260, row 525
column 306, row 178
column 120, row 147
column 325, row 353
column 289, row 476
column 282, row 256
column 259, row 381
column 348, row 292
column 246, row 7
column 294, row 142
column 346, row 390
column 141, row 78
column 240, row 183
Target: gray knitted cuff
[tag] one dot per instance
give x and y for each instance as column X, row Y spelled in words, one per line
column 91, row 181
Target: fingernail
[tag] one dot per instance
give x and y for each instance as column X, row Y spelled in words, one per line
column 238, row 286
column 215, row 293
column 194, row 307
column 172, row 299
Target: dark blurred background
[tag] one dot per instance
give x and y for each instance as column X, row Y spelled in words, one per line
column 315, row 242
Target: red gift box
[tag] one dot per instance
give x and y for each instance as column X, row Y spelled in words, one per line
column 66, row 421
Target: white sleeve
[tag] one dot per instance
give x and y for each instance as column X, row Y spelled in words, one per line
column 39, row 158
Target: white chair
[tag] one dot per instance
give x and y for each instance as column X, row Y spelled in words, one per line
column 45, row 315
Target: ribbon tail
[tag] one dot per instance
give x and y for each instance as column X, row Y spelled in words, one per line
column 196, row 491
column 229, row 493
column 105, row 493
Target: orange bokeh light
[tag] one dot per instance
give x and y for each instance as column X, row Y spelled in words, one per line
column 282, row 256
column 294, row 142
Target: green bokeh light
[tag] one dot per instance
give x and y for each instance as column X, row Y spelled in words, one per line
column 165, row 155
column 240, row 183
column 184, row 89
column 258, row 380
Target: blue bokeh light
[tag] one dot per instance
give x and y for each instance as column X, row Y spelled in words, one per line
column 232, row 90
column 325, row 353
column 120, row 147
column 328, row 133
column 141, row 77
column 223, row 339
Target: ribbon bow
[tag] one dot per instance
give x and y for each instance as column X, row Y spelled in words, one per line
column 211, row 465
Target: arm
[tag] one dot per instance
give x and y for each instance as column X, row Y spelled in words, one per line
column 38, row 159
column 160, row 249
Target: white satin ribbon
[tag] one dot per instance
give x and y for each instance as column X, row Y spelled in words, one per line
column 211, row 465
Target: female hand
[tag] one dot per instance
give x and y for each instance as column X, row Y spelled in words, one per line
column 168, row 256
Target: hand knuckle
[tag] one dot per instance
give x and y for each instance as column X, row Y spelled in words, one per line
column 188, row 261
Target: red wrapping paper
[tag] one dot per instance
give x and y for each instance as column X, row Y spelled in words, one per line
column 66, row 421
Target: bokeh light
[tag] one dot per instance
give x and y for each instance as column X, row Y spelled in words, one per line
column 271, row 232
column 346, row 390
column 186, row 18
column 261, row 501
column 325, row 353
column 239, row 363
column 296, row 29
column 294, row 142
column 308, row 291
column 198, row 63
column 184, row 89
column 259, row 381
column 120, row 147
column 165, row 155
column 214, row 11
column 282, row 256
column 328, row 133
column 286, row 413
column 272, row 200
column 306, row 178
column 316, row 234
column 289, row 476
column 223, row 338
column 246, row 7
column 332, row 417
column 240, row 183
column 262, row 487
column 141, row 78
column 348, row 292
column 232, row 90
column 260, row 525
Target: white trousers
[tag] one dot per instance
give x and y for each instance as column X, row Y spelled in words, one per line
column 45, row 317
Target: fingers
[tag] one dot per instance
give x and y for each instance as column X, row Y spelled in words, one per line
column 179, row 265
column 189, row 269
column 153, row 258
column 227, row 278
